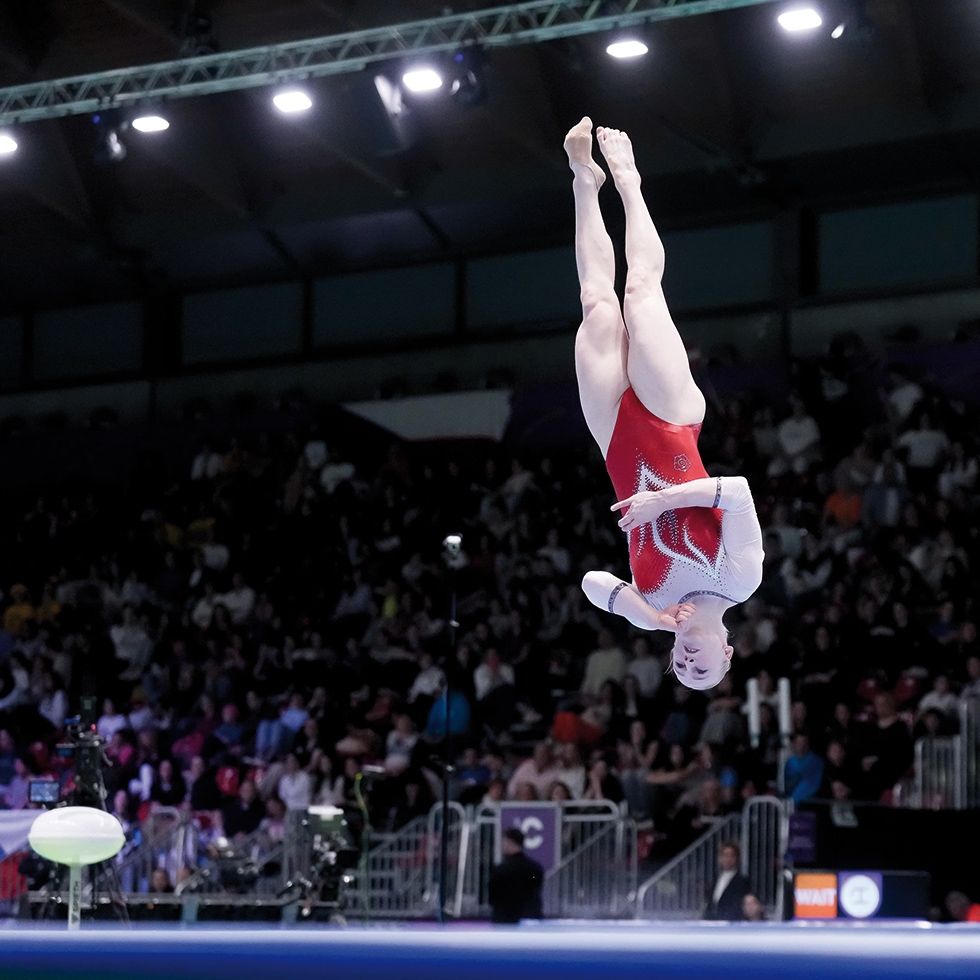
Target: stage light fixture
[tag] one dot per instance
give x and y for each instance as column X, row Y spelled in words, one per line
column 422, row 79
column 799, row 19
column 838, row 31
column 150, row 123
column 292, row 100
column 626, row 47
column 8, row 145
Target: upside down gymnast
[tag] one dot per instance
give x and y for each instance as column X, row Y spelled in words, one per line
column 695, row 541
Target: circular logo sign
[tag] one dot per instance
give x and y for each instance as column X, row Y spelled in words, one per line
column 860, row 895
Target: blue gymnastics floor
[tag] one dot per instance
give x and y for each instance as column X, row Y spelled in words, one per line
column 560, row 951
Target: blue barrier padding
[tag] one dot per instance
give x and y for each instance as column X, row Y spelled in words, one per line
column 563, row 952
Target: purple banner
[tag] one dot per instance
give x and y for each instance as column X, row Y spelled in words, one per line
column 541, row 825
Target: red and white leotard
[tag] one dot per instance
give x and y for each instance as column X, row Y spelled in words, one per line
column 694, row 549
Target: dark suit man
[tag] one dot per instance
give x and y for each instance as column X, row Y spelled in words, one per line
column 515, row 883
column 730, row 887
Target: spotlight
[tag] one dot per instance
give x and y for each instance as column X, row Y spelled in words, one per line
column 151, row 123
column 8, row 145
column 627, row 47
column 422, row 79
column 293, row 100
column 838, row 31
column 799, row 19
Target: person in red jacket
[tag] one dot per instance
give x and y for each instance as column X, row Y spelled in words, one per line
column 695, row 543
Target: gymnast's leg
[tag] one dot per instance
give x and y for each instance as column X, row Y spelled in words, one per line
column 601, row 344
column 658, row 366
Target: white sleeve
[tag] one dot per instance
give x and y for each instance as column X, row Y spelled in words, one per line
column 741, row 534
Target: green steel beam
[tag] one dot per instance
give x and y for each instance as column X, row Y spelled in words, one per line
column 523, row 23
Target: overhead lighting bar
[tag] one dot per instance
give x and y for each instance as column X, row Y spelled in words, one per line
column 422, row 79
column 533, row 22
column 627, row 47
column 150, row 124
column 800, row 19
column 8, row 145
column 292, row 100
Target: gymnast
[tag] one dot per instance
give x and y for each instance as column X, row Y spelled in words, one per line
column 695, row 542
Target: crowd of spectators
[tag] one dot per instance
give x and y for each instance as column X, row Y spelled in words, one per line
column 275, row 618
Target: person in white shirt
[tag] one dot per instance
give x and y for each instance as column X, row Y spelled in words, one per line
column 239, row 600
column 111, row 721
column 206, row 464
column 941, row 698
column 645, row 667
column 799, row 440
column 539, row 771
column 132, row 643
column 203, row 611
column 491, row 674
column 428, row 681
column 606, row 663
column 295, row 787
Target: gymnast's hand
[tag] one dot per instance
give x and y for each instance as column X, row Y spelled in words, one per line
column 678, row 616
column 642, row 508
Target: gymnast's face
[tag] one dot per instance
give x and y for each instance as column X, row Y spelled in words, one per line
column 700, row 658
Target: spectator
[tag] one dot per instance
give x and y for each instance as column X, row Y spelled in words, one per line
column 295, row 787
column 730, row 887
column 752, row 909
column 539, row 772
column 242, row 815
column 606, row 663
column 803, row 771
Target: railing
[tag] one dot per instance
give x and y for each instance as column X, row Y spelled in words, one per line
column 167, row 840
column 679, row 890
column 598, row 879
column 939, row 778
column 970, row 734
column 765, row 837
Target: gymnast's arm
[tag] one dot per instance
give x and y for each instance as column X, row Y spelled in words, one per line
column 605, row 591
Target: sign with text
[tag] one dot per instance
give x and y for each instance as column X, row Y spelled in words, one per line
column 541, row 825
column 815, row 896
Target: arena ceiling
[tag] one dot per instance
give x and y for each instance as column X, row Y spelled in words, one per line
column 731, row 117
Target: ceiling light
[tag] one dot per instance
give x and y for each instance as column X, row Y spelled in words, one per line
column 150, row 124
column 837, row 31
column 627, row 47
column 293, row 100
column 800, row 19
column 422, row 80
column 8, row 145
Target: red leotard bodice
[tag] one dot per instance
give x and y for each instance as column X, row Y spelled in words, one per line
column 683, row 550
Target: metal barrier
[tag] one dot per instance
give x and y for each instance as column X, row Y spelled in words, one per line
column 596, row 872
column 681, row 888
column 396, row 883
column 167, row 840
column 938, row 782
column 597, row 880
column 765, row 837
column 970, row 734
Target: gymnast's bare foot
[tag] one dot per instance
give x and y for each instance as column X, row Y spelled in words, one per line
column 618, row 151
column 578, row 146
